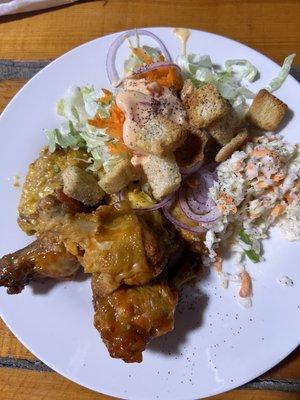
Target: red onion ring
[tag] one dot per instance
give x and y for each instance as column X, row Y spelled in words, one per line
column 111, row 69
column 203, row 215
column 193, row 229
column 198, row 205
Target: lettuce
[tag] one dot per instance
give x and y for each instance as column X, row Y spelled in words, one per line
column 75, row 109
column 241, row 69
column 229, row 80
column 283, row 73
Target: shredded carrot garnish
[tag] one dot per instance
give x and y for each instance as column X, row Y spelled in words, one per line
column 288, row 197
column 106, row 98
column 261, row 153
column 165, row 76
column 277, row 210
column 114, row 125
column 142, row 55
column 277, row 177
column 228, row 201
column 218, row 263
column 246, row 285
column 258, row 153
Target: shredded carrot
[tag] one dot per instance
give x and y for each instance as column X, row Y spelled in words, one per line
column 277, row 210
column 229, row 201
column 258, row 153
column 142, row 55
column 288, row 197
column 218, row 263
column 165, row 76
column 246, row 285
column 106, row 98
column 114, row 125
column 261, row 153
column 277, row 177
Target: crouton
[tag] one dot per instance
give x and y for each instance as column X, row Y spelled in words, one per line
column 162, row 173
column 266, row 111
column 187, row 91
column 81, row 185
column 224, row 129
column 204, row 105
column 192, row 150
column 232, row 146
column 159, row 136
column 118, row 176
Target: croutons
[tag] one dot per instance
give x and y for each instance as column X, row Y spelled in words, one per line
column 204, row 105
column 159, row 136
column 266, row 111
column 192, row 150
column 82, row 186
column 224, row 129
column 162, row 174
column 232, row 146
column 118, row 176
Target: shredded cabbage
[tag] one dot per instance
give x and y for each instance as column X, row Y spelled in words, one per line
column 76, row 108
column 283, row 73
column 230, row 80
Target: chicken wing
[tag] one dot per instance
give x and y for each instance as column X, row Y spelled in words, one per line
column 111, row 241
column 42, row 258
column 130, row 317
column 43, row 178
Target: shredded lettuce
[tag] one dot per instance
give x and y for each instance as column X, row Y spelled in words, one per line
column 230, row 80
column 242, row 69
column 76, row 108
column 283, row 73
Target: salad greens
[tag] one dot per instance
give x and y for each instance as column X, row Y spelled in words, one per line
column 82, row 104
column 79, row 105
column 283, row 73
column 251, row 254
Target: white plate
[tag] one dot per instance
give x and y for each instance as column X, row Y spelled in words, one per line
column 216, row 345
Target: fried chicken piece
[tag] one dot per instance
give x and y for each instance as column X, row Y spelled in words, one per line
column 42, row 258
column 43, row 178
column 130, row 317
column 111, row 242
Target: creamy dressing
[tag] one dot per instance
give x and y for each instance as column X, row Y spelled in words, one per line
column 142, row 101
column 183, row 35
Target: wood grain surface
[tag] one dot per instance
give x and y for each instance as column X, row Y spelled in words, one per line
column 270, row 26
column 29, row 41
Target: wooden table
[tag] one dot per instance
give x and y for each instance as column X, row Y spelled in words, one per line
column 29, row 41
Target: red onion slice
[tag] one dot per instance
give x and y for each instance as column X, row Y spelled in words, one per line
column 203, row 215
column 193, row 229
column 111, row 69
column 198, row 206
